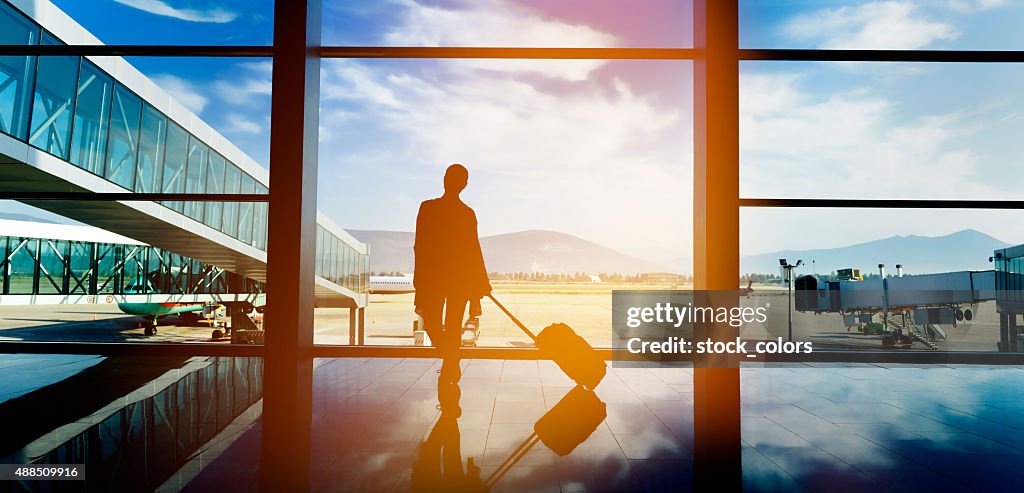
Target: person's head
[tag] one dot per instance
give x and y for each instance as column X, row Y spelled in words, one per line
column 455, row 179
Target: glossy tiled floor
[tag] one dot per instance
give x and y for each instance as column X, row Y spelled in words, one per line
column 379, row 426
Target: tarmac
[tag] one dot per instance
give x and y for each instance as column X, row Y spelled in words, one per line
column 587, row 308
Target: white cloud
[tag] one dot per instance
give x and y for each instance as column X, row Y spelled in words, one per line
column 159, row 7
column 254, row 80
column 970, row 6
column 236, row 123
column 851, row 144
column 497, row 23
column 875, row 25
column 182, row 90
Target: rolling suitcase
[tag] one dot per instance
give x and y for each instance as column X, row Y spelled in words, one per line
column 568, row 350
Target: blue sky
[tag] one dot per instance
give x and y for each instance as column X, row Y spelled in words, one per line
column 603, row 149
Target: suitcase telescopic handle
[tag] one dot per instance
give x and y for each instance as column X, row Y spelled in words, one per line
column 513, row 317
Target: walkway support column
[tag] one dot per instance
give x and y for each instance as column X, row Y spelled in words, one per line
column 352, row 326
column 291, row 250
column 716, row 221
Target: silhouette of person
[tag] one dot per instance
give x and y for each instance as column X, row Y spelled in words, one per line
column 448, row 269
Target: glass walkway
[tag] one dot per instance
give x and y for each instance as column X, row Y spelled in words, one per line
column 68, row 124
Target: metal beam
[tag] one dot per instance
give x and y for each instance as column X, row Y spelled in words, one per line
column 508, row 52
column 291, row 250
column 131, row 196
column 884, row 203
column 924, row 56
column 716, row 400
column 137, row 50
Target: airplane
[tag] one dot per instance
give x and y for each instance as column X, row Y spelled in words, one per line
column 391, row 285
column 152, row 311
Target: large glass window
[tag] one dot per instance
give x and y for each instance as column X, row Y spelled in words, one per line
column 195, row 179
column 56, row 78
column 215, row 184
column 174, row 164
column 124, row 137
column 15, row 72
column 92, row 117
column 151, row 151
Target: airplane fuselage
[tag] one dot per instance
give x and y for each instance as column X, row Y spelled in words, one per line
column 391, row 285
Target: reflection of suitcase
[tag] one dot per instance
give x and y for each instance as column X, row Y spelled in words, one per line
column 563, row 428
column 567, row 349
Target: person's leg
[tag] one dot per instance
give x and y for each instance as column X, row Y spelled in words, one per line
column 454, row 314
column 433, row 314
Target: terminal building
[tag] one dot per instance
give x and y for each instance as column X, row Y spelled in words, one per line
column 79, row 125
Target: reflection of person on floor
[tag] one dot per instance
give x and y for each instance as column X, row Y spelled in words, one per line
column 449, row 266
column 438, row 465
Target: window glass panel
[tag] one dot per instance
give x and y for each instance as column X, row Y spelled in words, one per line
column 174, row 163
column 232, row 184
column 134, row 270
column 22, row 265
column 936, row 249
column 56, row 78
column 515, row 23
column 157, row 271
column 151, row 150
column 80, row 263
column 214, row 184
column 245, row 210
column 875, row 25
column 319, row 251
column 613, row 140
column 132, row 22
column 195, row 181
column 92, row 116
column 259, row 239
column 107, row 275
column 880, row 130
column 15, row 72
column 51, row 266
column 124, row 137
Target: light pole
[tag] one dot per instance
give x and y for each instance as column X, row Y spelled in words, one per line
column 787, row 270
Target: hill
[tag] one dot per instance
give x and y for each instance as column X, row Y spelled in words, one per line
column 963, row 250
column 524, row 251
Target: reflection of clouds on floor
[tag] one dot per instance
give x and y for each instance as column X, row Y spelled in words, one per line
column 870, row 427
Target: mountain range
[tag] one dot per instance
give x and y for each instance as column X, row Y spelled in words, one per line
column 962, row 250
column 524, row 251
column 553, row 252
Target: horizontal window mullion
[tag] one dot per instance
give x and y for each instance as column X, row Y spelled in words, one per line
column 883, row 203
column 136, row 197
column 137, row 50
column 130, row 348
column 508, row 52
column 948, row 56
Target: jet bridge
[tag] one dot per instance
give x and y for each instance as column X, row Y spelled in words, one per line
column 904, row 309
